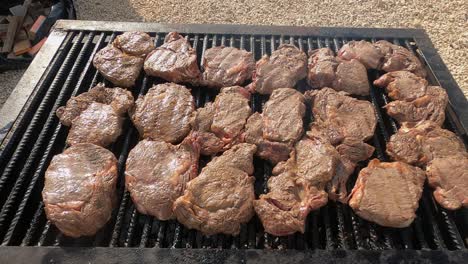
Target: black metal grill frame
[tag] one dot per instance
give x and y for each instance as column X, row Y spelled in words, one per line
column 31, row 135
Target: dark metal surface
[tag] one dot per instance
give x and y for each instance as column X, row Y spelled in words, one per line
column 66, row 70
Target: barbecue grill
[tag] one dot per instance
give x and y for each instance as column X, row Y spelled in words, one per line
column 30, row 135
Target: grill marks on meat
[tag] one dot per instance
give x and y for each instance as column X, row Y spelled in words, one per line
column 297, row 187
column 223, row 190
column 388, row 193
column 121, row 61
column 227, row 66
column 449, row 177
column 164, row 113
column 96, row 116
column 157, row 174
column 80, row 189
column 284, row 68
column 341, row 116
column 174, row 61
column 443, row 156
column 397, row 58
column 327, row 71
column 220, row 125
column 279, row 126
column 414, row 100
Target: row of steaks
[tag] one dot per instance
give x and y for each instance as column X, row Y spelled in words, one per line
column 312, row 166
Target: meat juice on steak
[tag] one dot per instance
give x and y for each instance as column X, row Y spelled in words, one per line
column 227, row 66
column 164, row 113
column 174, row 61
column 157, row 174
column 284, row 68
column 220, row 199
column 80, row 189
column 388, row 193
column 96, row 116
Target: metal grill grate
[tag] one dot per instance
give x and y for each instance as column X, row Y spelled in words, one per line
column 39, row 136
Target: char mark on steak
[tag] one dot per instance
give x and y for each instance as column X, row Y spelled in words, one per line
column 284, row 68
column 388, row 193
column 96, row 116
column 221, row 198
column 174, row 61
column 80, row 189
column 164, row 113
column 122, row 61
column 157, row 174
column 227, row 66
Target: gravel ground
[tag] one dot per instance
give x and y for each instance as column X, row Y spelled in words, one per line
column 445, row 21
column 8, row 81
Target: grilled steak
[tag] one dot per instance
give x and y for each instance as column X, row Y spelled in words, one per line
column 282, row 116
column 298, row 188
column 164, row 113
column 284, row 209
column 226, row 66
column 175, row 60
column 80, row 189
column 279, row 126
column 327, row 71
column 402, row 85
column 351, row 77
column 351, row 152
column 221, row 198
column 157, row 174
column 421, row 144
column 284, row 68
column 363, row 51
column 388, row 193
column 428, row 107
column 220, row 125
column 268, row 150
column 98, row 124
column 119, row 68
column 449, row 177
column 397, row 58
column 341, row 116
column 134, row 43
column 322, row 68
column 96, row 116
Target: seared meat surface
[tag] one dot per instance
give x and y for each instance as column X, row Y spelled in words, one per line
column 284, row 68
column 388, row 193
column 402, row 85
column 428, row 107
column 397, row 58
column 279, row 126
column 221, row 198
column 327, row 71
column 174, row 61
column 420, row 144
column 157, row 174
column 298, row 187
column 134, row 43
column 284, row 209
column 449, row 177
column 220, row 125
column 164, row 113
column 340, row 116
column 122, row 61
column 227, row 66
column 80, row 189
column 363, row 51
column 96, row 116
